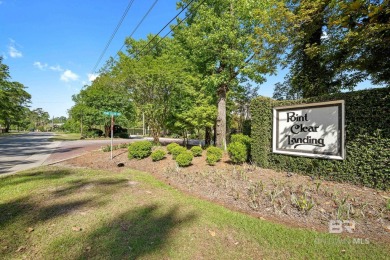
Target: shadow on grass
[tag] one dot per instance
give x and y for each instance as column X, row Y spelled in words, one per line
column 135, row 233
column 36, row 175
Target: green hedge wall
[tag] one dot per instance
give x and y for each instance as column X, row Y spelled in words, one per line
column 367, row 119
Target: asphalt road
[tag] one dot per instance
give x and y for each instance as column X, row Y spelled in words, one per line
column 24, row 151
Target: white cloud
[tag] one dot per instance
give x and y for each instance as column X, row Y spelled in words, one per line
column 92, row 76
column 13, row 52
column 68, row 75
column 56, row 68
column 40, row 65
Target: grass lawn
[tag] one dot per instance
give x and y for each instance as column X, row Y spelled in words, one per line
column 69, row 213
column 65, row 137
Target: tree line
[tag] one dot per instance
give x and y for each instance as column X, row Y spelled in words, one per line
column 201, row 79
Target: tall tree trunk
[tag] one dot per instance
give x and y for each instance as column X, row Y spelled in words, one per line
column 207, row 138
column 221, row 118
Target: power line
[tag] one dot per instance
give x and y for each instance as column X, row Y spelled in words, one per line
column 185, row 7
column 138, row 25
column 113, row 34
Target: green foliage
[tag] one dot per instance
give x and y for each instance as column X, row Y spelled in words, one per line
column 212, row 150
column 244, row 139
column 237, row 152
column 140, row 149
column 171, row 146
column 212, row 159
column 177, row 150
column 302, row 203
column 367, row 139
column 184, row 158
column 14, row 99
column 196, row 151
column 158, row 155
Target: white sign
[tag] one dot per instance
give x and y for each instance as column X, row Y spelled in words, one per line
column 311, row 130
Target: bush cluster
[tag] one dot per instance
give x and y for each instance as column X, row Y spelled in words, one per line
column 140, row 149
column 237, row 152
column 184, row 158
column 367, row 139
column 171, row 146
column 177, row 150
column 158, row 155
column 197, row 151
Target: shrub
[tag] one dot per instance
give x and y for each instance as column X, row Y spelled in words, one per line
column 212, row 159
column 237, row 152
column 215, row 151
column 140, row 149
column 244, row 139
column 171, row 146
column 184, row 159
column 196, row 151
column 177, row 150
column 158, row 155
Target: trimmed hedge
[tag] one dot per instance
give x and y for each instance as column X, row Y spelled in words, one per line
column 158, row 155
column 177, row 150
column 237, row 152
column 367, row 132
column 140, row 149
column 184, row 159
column 212, row 150
column 171, row 146
column 196, row 151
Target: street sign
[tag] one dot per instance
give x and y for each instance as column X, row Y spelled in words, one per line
column 110, row 113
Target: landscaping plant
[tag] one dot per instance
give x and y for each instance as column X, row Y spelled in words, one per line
column 184, row 159
column 237, row 152
column 140, row 149
column 197, row 151
column 158, row 155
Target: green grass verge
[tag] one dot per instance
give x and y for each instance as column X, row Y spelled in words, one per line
column 65, row 137
column 62, row 213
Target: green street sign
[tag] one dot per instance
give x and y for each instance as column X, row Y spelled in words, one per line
column 110, row 113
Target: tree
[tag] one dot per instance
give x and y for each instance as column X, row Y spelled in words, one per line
column 105, row 94
column 335, row 45
column 231, row 42
column 157, row 80
column 13, row 98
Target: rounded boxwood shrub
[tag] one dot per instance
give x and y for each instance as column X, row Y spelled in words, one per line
column 211, row 159
column 177, row 150
column 237, row 152
column 158, row 155
column 140, row 149
column 196, row 151
column 171, row 146
column 215, row 151
column 244, row 139
column 184, row 159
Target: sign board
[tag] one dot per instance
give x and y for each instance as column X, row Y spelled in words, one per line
column 310, row 130
column 110, row 113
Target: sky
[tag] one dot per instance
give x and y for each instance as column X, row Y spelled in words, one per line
column 52, row 46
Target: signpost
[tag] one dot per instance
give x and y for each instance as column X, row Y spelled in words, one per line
column 310, row 130
column 112, row 114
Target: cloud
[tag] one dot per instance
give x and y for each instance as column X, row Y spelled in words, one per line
column 40, row 65
column 56, row 68
column 92, row 76
column 68, row 75
column 13, row 52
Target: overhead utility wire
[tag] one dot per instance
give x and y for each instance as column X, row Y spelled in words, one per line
column 185, row 7
column 138, row 25
column 174, row 27
column 113, row 34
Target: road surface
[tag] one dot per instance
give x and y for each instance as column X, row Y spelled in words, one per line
column 24, row 151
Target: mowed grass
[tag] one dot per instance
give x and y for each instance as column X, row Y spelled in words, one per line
column 69, row 213
column 65, row 137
